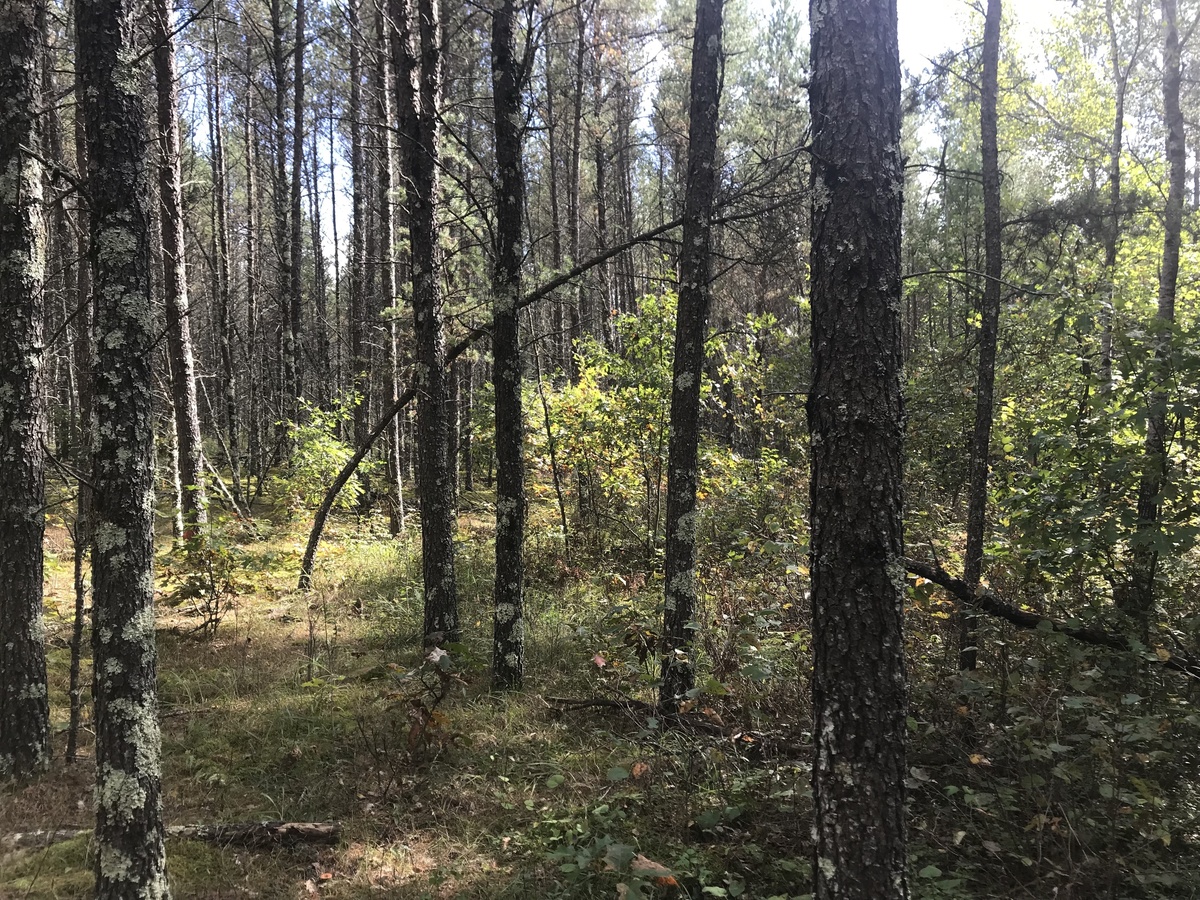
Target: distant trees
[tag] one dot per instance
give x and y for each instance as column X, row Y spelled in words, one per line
column 24, row 700
column 130, row 857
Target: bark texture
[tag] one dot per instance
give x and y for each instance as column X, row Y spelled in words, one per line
column 418, row 66
column 508, row 631
column 1138, row 599
column 989, row 310
column 855, row 416
column 130, row 859
column 691, row 326
column 179, row 330
column 24, row 702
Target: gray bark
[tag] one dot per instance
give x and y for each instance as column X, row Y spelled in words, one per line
column 24, row 701
column 855, row 416
column 691, row 326
column 508, row 619
column 417, row 60
column 130, row 858
column 186, row 415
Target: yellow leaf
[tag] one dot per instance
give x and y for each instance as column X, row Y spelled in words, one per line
column 978, row 759
column 1162, row 653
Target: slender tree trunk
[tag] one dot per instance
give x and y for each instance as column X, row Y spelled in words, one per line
column 989, row 309
column 577, row 321
column 418, row 64
column 296, row 245
column 359, row 364
column 193, row 503
column 130, row 858
column 24, row 700
column 224, row 313
column 283, row 280
column 856, row 415
column 508, row 629
column 321, row 366
column 1138, row 600
column 385, row 185
column 254, row 464
column 691, row 326
column 85, row 363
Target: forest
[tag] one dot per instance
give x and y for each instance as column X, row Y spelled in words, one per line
column 599, row 448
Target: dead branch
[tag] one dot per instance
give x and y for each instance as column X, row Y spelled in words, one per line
column 987, row 602
column 241, row 834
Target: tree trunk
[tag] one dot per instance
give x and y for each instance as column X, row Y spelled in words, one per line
column 358, row 230
column 283, row 278
column 193, row 503
column 691, row 326
column 296, row 244
column 1138, row 600
column 989, row 310
column 130, row 859
column 24, row 700
column 220, row 225
column 508, row 626
column 418, row 64
column 855, row 416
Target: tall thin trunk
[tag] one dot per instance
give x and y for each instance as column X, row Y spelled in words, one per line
column 324, row 385
column 281, row 205
column 856, row 415
column 192, row 501
column 359, row 364
column 24, row 699
column 253, row 438
column 385, row 186
column 418, row 63
column 691, row 326
column 553, row 148
column 578, row 322
column 989, row 323
column 1138, row 600
column 130, row 857
column 296, row 246
column 508, row 629
column 224, row 312
column 85, row 364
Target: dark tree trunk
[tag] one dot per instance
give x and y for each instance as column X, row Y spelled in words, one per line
column 467, row 410
column 691, row 325
column 359, row 365
column 417, row 60
column 283, row 278
column 508, row 631
column 186, row 416
column 253, row 390
column 1138, row 599
column 24, row 701
column 989, row 310
column 130, row 859
column 295, row 304
column 855, row 416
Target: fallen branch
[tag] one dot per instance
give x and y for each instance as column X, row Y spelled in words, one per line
column 314, row 537
column 241, row 834
column 987, row 602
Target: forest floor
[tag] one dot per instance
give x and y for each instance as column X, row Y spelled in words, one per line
column 320, row 707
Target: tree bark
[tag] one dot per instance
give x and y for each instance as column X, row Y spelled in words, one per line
column 24, row 700
column 220, row 226
column 130, row 859
column 1138, row 598
column 186, row 415
column 508, row 621
column 691, row 327
column 417, row 56
column 296, row 244
column 989, row 310
column 359, row 365
column 855, row 416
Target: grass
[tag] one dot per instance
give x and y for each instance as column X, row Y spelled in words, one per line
column 308, row 707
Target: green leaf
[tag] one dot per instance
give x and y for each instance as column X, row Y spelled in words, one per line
column 555, row 781
column 618, row 773
column 930, row 872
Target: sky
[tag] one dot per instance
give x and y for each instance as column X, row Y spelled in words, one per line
column 927, row 27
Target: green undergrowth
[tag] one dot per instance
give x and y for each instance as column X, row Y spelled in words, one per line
column 1051, row 769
